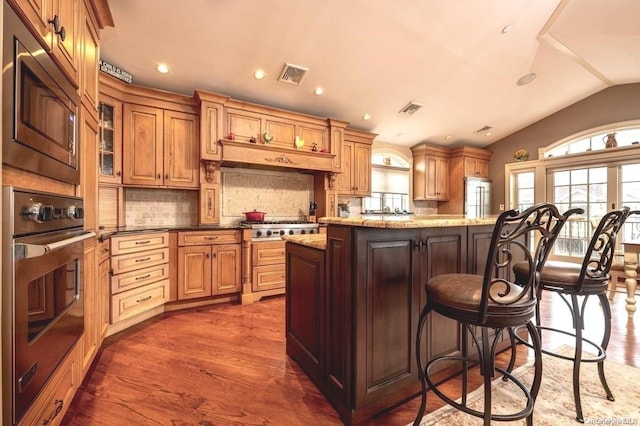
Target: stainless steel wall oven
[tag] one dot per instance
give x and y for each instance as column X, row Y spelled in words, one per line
column 39, row 107
column 42, row 291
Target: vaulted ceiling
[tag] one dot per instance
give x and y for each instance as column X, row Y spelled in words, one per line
column 460, row 60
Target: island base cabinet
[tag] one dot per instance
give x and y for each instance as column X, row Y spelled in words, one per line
column 305, row 316
column 352, row 326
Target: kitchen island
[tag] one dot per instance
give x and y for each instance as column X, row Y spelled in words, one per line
column 353, row 302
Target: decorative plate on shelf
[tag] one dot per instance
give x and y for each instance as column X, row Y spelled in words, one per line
column 521, row 155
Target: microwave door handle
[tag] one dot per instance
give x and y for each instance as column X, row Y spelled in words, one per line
column 28, row 251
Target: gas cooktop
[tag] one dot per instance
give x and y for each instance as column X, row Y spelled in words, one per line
column 275, row 229
column 274, row 222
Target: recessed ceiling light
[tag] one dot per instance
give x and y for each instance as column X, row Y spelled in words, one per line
column 526, row 79
column 366, row 116
column 488, row 133
column 507, row 28
column 162, row 68
column 448, row 137
column 259, row 74
column 319, row 91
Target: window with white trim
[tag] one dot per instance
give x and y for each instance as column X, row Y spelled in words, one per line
column 581, row 172
column 584, row 188
column 390, row 174
column 524, row 190
column 630, row 197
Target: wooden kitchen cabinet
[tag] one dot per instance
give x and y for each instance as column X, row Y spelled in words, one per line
column 306, row 308
column 89, row 45
column 355, row 178
column 64, row 50
column 465, row 162
column 211, row 124
column 469, row 161
column 268, row 266
column 246, row 121
column 92, row 305
column 430, row 173
column 104, row 288
column 209, row 263
column 160, row 147
column 67, row 49
column 55, row 398
column 139, row 274
column 362, row 355
column 143, row 151
column 110, row 147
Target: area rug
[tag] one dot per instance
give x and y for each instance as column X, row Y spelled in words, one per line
column 554, row 405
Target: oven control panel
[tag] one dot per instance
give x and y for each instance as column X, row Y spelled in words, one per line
column 41, row 212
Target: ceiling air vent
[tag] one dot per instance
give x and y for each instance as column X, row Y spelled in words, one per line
column 484, row 129
column 410, row 108
column 293, row 74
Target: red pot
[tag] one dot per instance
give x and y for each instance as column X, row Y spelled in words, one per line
column 254, row 216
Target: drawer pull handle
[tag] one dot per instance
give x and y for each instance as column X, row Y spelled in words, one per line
column 143, row 242
column 210, row 238
column 144, row 277
column 144, row 259
column 59, row 404
column 144, row 299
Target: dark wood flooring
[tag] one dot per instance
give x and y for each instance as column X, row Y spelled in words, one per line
column 227, row 365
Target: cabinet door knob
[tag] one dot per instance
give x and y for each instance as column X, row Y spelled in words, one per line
column 166, row 176
column 118, row 173
column 159, row 176
column 56, row 23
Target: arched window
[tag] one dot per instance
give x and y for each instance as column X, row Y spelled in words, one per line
column 619, row 136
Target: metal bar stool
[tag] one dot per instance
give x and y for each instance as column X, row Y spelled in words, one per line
column 493, row 302
column 571, row 281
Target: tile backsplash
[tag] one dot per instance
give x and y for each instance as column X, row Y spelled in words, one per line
column 282, row 195
column 160, row 207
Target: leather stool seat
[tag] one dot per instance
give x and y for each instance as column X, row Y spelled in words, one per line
column 564, row 277
column 460, row 296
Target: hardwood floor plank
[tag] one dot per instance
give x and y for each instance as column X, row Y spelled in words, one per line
column 226, row 365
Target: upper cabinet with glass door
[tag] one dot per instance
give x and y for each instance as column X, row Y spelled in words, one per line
column 110, row 149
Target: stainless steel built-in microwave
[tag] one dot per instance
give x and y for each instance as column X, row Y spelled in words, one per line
column 39, row 107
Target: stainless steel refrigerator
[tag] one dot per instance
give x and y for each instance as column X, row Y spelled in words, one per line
column 477, row 197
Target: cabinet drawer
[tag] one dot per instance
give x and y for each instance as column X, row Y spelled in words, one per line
column 135, row 261
column 132, row 302
column 199, row 238
column 136, row 243
column 103, row 250
column 268, row 277
column 49, row 408
column 268, row 253
column 134, row 279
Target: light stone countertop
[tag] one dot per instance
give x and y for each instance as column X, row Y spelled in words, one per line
column 408, row 221
column 317, row 241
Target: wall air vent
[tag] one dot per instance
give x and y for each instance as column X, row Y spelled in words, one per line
column 410, row 108
column 293, row 74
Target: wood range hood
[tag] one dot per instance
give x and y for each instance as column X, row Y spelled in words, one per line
column 236, row 133
column 250, row 155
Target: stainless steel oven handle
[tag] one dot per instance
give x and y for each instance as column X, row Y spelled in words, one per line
column 27, row 251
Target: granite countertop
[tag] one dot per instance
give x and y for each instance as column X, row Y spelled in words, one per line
column 407, row 221
column 317, row 241
column 110, row 232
